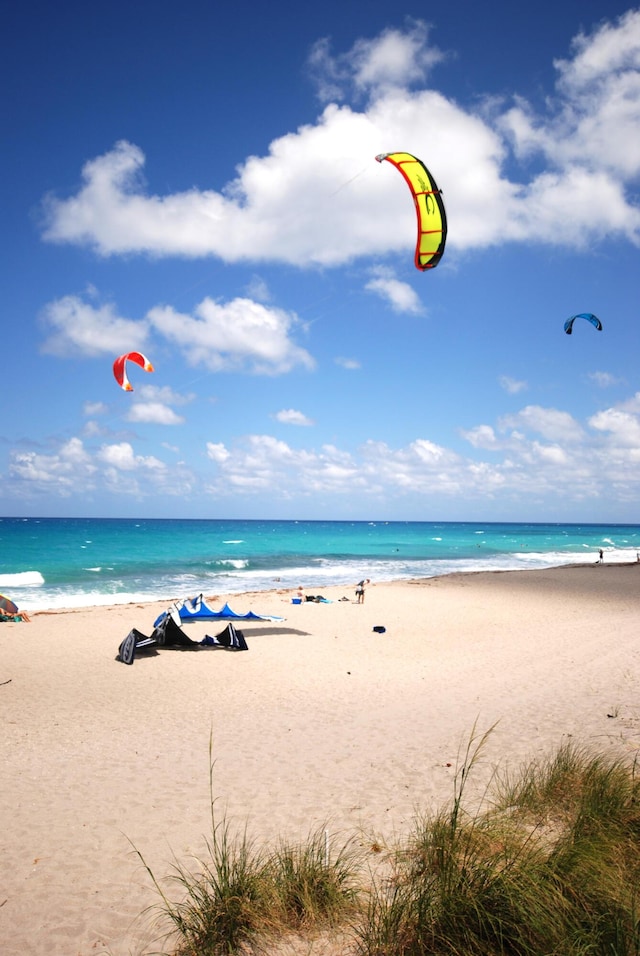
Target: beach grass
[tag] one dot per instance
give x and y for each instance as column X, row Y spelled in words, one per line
column 316, row 882
column 553, row 867
column 550, row 865
column 240, row 896
column 239, row 899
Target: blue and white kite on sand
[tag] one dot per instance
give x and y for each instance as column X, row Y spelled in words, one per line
column 197, row 609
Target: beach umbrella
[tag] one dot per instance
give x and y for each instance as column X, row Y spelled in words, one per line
column 7, row 606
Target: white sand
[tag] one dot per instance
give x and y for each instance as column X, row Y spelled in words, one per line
column 321, row 722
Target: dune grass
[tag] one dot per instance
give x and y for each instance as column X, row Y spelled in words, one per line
column 315, row 883
column 238, row 898
column 551, row 868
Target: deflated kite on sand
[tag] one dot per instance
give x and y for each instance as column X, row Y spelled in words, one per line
column 169, row 633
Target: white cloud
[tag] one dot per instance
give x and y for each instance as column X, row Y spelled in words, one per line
column 122, row 457
column 289, row 416
column 318, row 197
column 240, row 334
column 553, row 454
column 233, row 335
column 70, row 466
column 604, row 379
column 551, row 423
column 63, row 472
column 152, row 405
column 523, row 457
column 258, row 289
column 217, row 452
column 395, row 58
column 512, row 385
column 154, row 413
column 400, row 295
column 95, row 408
column 76, row 326
column 482, row 436
column 92, row 430
column 349, row 363
column 631, row 404
column 623, row 427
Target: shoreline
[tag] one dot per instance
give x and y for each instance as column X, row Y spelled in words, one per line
column 322, row 722
column 230, row 596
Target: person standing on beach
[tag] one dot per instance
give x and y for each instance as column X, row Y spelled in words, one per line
column 360, row 589
column 601, row 556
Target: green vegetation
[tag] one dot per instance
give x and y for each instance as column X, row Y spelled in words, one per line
column 239, row 898
column 552, row 868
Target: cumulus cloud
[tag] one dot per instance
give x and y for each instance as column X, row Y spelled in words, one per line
column 74, row 326
column 154, row 413
column 548, row 422
column 217, row 452
column 512, row 385
column 525, row 456
column 396, row 58
column 597, row 106
column 233, row 335
column 240, row 334
column 399, row 295
column 67, row 469
column 318, row 198
column 622, row 426
column 123, row 472
column 604, row 379
column 290, row 416
column 153, row 406
column 122, row 457
column 482, row 436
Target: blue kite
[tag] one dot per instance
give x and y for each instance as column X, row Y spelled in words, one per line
column 589, row 316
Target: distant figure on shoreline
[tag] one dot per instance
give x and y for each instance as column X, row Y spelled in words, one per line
column 360, row 589
column 601, row 556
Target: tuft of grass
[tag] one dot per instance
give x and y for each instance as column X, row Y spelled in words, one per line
column 224, row 900
column 315, row 882
column 240, row 896
column 225, row 905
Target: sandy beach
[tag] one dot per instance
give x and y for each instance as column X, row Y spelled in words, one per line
column 322, row 722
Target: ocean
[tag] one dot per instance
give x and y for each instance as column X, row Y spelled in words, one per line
column 48, row 563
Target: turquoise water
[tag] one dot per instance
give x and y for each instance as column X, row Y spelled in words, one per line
column 75, row 562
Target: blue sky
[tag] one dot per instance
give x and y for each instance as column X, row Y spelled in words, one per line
column 198, row 181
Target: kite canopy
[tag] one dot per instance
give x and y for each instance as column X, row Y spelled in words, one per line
column 197, row 609
column 120, row 372
column 589, row 316
column 432, row 219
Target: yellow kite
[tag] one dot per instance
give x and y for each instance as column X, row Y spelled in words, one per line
column 432, row 219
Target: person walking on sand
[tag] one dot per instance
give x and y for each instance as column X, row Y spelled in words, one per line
column 601, row 556
column 360, row 589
